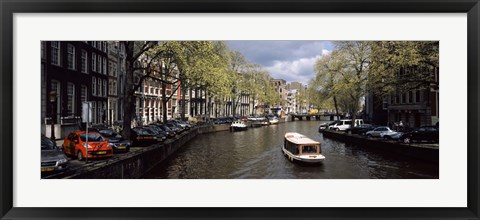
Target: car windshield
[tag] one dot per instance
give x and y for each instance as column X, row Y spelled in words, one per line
column 165, row 128
column 48, row 144
column 92, row 137
column 150, row 131
column 108, row 133
column 141, row 131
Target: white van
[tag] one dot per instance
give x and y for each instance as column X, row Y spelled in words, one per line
column 345, row 124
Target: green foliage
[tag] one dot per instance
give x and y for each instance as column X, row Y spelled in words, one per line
column 403, row 65
column 382, row 67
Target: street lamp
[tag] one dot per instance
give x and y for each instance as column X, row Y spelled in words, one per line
column 52, row 97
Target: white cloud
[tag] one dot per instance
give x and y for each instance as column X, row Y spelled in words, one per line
column 301, row 70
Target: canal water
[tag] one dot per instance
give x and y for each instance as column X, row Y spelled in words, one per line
column 256, row 154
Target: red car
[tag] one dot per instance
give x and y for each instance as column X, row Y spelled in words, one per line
column 75, row 145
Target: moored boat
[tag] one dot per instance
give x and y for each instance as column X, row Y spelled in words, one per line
column 238, row 126
column 300, row 148
column 272, row 120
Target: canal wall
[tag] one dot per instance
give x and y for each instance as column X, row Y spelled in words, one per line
column 418, row 151
column 132, row 165
column 213, row 128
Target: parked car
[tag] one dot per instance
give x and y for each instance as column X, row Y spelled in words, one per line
column 326, row 125
column 361, row 129
column 379, row 131
column 174, row 127
column 160, row 135
column 182, row 124
column 345, row 124
column 425, row 133
column 167, row 131
column 52, row 157
column 115, row 140
column 142, row 137
column 75, row 145
column 393, row 136
column 164, row 127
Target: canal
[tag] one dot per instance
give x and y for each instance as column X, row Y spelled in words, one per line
column 256, row 154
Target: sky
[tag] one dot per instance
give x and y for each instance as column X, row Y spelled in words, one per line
column 288, row 60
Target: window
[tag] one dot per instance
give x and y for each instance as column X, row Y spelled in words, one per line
column 94, row 44
column 94, row 62
column 417, row 96
column 84, row 61
column 104, row 46
column 43, row 50
column 55, row 58
column 105, row 66
column 84, row 92
column 105, row 88
column 70, row 57
column 99, row 64
column 110, row 87
column 385, row 104
column 99, row 84
column 410, row 96
column 94, row 86
column 309, row 149
column 71, row 98
column 94, row 112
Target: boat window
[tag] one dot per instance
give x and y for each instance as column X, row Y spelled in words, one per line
column 309, row 149
column 291, row 147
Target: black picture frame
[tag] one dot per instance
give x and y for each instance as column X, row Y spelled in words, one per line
column 10, row 7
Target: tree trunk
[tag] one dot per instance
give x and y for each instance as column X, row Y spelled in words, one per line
column 164, row 99
column 129, row 96
column 182, row 90
column 336, row 106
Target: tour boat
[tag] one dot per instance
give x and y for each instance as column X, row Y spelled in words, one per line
column 238, row 126
column 300, row 148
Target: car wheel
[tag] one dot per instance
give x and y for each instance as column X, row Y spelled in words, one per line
column 369, row 135
column 336, row 129
column 80, row 155
column 407, row 140
column 349, row 131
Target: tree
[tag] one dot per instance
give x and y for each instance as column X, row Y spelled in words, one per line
column 354, row 73
column 133, row 50
column 399, row 66
column 327, row 77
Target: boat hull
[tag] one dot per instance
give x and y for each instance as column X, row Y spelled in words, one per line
column 256, row 124
column 313, row 159
column 235, row 128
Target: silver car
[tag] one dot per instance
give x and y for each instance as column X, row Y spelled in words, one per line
column 53, row 158
column 379, row 132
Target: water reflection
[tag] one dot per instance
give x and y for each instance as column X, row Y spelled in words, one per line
column 256, row 154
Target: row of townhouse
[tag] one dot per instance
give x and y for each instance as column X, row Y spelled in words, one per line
column 74, row 72
column 415, row 107
column 297, row 102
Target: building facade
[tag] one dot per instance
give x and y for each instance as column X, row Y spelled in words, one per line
column 414, row 107
column 76, row 71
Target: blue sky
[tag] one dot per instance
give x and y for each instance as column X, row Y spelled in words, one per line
column 288, row 60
